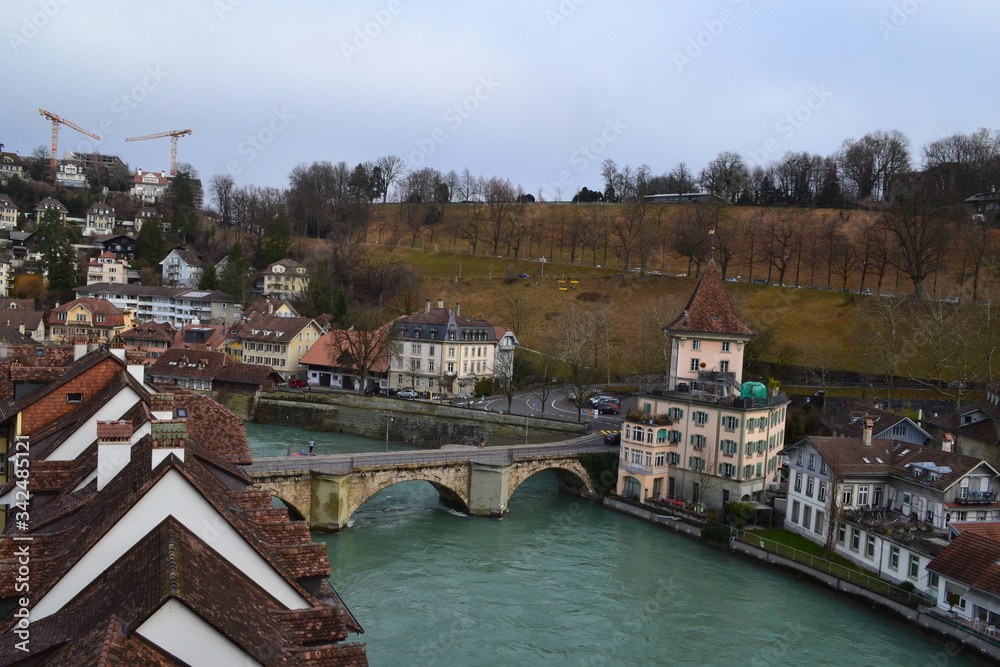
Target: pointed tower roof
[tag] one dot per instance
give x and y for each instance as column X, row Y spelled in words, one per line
column 709, row 310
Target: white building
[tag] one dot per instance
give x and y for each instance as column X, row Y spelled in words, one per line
column 175, row 306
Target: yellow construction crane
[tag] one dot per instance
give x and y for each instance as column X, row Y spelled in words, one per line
column 173, row 144
column 56, row 120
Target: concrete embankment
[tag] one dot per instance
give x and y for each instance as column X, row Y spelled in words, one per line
column 956, row 640
column 418, row 422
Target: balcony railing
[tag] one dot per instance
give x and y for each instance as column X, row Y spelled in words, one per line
column 977, row 498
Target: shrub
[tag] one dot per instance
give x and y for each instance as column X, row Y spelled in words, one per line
column 715, row 532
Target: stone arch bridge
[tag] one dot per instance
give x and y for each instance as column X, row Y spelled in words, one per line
column 327, row 490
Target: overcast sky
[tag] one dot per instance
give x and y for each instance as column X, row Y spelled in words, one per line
column 538, row 92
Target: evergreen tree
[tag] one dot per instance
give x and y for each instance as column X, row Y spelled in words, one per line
column 150, row 246
column 235, row 279
column 209, row 279
column 277, row 238
column 180, row 198
column 54, row 244
column 339, row 310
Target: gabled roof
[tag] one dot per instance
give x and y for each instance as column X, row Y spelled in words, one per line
column 114, row 316
column 148, row 331
column 333, row 350
column 271, row 328
column 972, row 559
column 98, row 208
column 985, row 430
column 49, row 202
column 249, row 374
column 6, row 201
column 850, row 420
column 709, row 310
column 267, row 306
column 188, row 364
column 190, row 257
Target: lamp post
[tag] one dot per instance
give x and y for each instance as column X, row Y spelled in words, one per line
column 388, row 419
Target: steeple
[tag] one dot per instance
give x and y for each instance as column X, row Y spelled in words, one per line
column 709, row 310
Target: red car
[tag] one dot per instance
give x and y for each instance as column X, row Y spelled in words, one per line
column 297, row 384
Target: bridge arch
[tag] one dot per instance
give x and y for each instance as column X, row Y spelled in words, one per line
column 450, row 481
column 292, row 489
column 570, row 475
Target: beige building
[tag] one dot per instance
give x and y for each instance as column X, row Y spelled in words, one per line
column 706, row 437
column 278, row 342
column 100, row 220
column 285, row 279
column 106, row 268
column 90, row 318
column 8, row 212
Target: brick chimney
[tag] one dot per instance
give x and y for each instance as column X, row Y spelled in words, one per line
column 79, row 348
column 866, row 432
column 114, row 449
column 948, row 443
column 135, row 362
column 169, row 436
column 117, row 348
column 162, row 406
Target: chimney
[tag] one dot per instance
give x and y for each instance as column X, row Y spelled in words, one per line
column 135, row 362
column 427, row 306
column 948, row 443
column 458, row 310
column 114, row 449
column 117, row 348
column 79, row 348
column 169, row 436
column 866, row 432
column 162, row 406
column 440, row 303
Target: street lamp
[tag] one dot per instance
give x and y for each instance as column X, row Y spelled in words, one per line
column 388, row 419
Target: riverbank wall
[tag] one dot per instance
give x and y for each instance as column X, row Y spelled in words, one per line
column 956, row 640
column 416, row 422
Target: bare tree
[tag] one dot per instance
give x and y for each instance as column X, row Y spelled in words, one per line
column 921, row 231
column 392, row 168
column 221, row 188
column 500, row 203
column 725, row 176
column 367, row 344
column 885, row 325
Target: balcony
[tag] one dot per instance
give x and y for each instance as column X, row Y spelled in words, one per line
column 977, row 498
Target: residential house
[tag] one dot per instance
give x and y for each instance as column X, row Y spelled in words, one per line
column 22, row 245
column 48, row 204
column 182, row 268
column 122, row 245
column 206, row 370
column 147, row 473
column 9, row 214
column 71, row 174
column 149, row 187
column 706, row 437
column 284, row 279
column 6, row 276
column 100, row 220
column 21, row 315
column 270, row 305
column 176, row 306
column 106, row 268
column 849, row 420
column 28, row 367
column 340, row 358
column 278, row 342
column 442, row 351
column 111, row 167
column 11, row 165
column 885, row 504
column 974, row 428
column 150, row 338
column 142, row 215
column 89, row 318
column 197, row 336
column 968, row 574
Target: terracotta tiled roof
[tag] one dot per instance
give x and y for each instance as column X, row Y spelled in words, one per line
column 266, row 306
column 188, row 364
column 972, row 559
column 709, row 310
column 213, row 334
column 49, row 202
column 271, row 328
column 159, row 331
column 11, row 336
column 248, row 374
column 334, row 350
column 113, row 316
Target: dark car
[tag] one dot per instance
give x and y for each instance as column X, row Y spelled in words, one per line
column 609, row 408
column 760, row 281
column 613, row 439
column 297, row 384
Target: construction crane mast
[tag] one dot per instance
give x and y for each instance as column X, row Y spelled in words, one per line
column 56, row 120
column 176, row 134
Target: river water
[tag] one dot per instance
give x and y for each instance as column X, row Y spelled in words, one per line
column 561, row 581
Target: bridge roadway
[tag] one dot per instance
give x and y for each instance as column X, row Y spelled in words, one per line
column 326, row 490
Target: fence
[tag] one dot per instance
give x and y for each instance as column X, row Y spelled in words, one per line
column 868, row 582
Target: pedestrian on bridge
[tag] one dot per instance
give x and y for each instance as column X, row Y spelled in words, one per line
column 311, row 444
column 482, row 442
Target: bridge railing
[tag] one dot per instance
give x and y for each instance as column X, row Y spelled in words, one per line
column 345, row 464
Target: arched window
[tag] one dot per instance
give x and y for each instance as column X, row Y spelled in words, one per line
column 661, row 435
column 638, row 434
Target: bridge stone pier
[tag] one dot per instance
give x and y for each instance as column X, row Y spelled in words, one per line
column 326, row 491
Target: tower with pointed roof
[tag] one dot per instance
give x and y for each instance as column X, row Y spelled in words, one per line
column 705, row 438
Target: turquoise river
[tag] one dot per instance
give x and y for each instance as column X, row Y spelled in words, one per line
column 561, row 581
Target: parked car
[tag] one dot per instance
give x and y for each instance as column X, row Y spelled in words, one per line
column 613, row 439
column 376, row 391
column 297, row 383
column 609, row 408
column 760, row 281
column 524, row 275
column 406, row 393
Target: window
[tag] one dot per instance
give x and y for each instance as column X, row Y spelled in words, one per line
column 696, row 463
column 862, row 495
column 812, row 461
column 694, row 364
column 698, row 441
column 894, row 558
column 870, row 547
column 798, row 482
column 696, row 345
column 731, row 423
column 725, row 346
column 660, row 459
column 818, row 526
column 74, row 398
column 637, row 456
column 809, row 486
column 914, row 569
column 899, row 429
column 855, row 539
column 806, row 516
column 727, row 469
column 841, row 532
column 822, row 492
column 822, row 467
column 700, row 418
column 649, row 459
column 724, row 366
column 847, row 496
column 673, row 458
column 795, row 511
